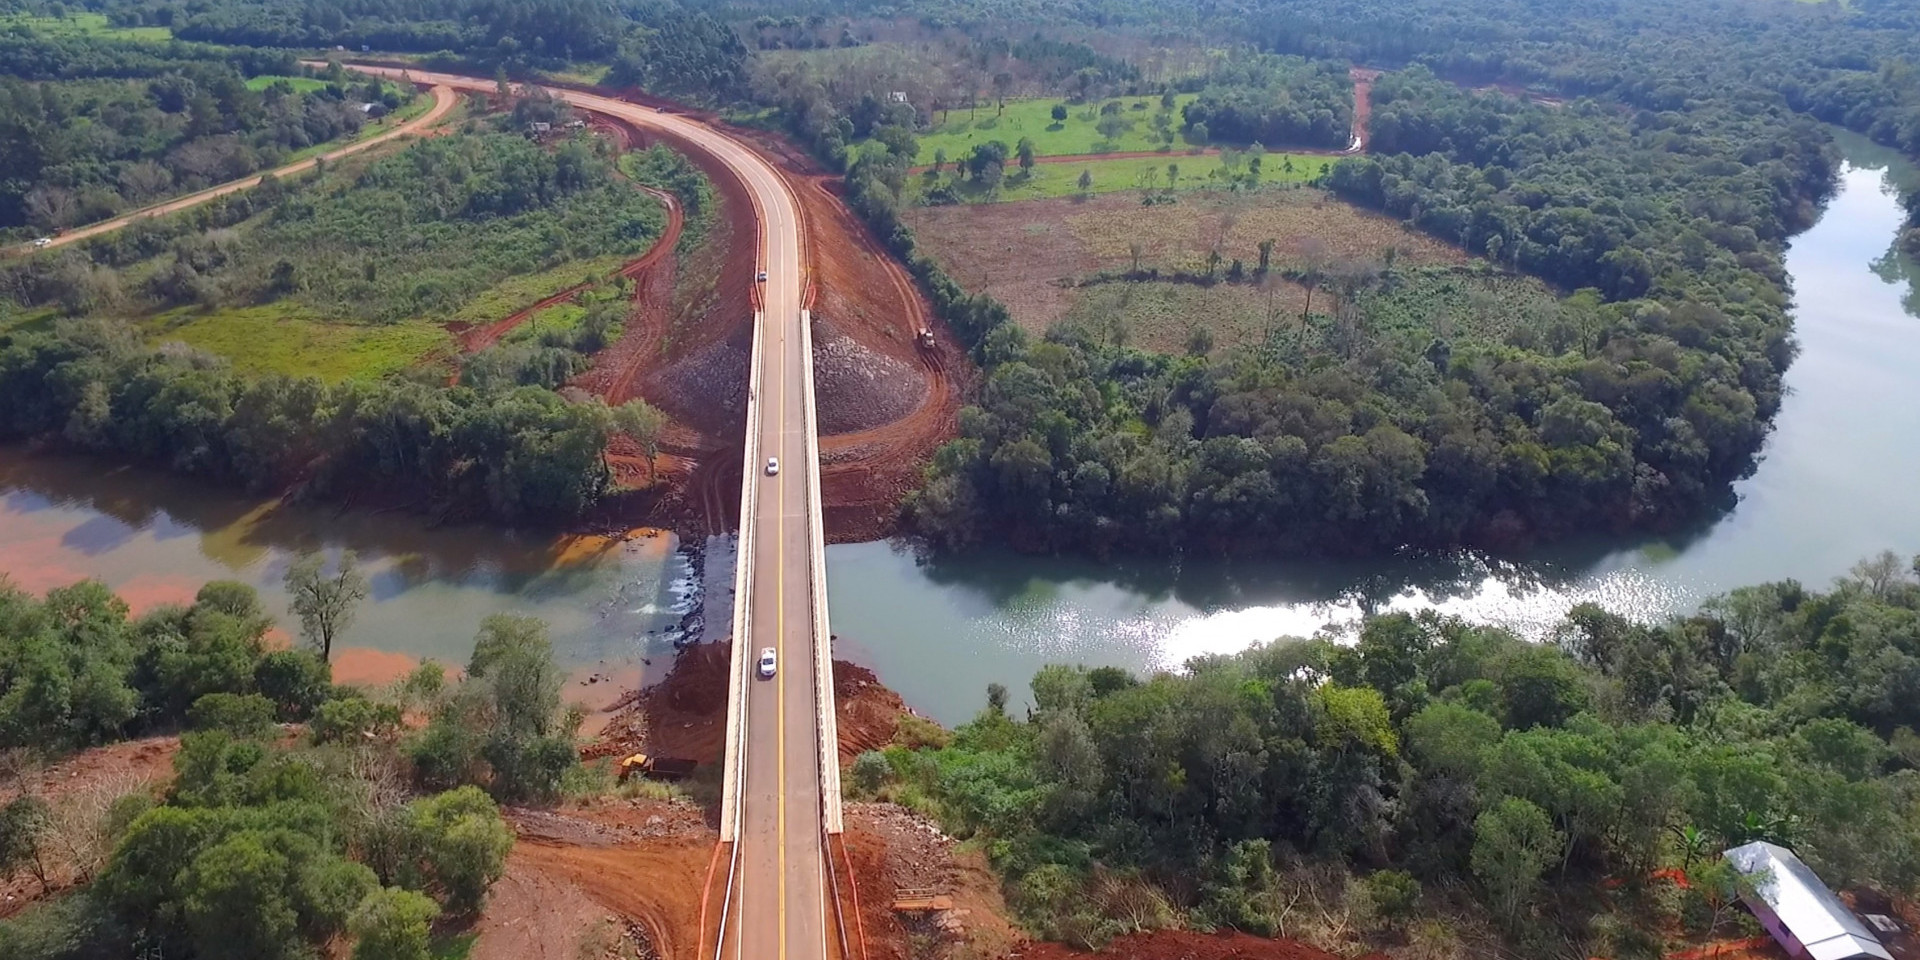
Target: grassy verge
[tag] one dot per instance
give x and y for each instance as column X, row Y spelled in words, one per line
column 1109, row 176
column 586, row 73
column 299, row 84
column 286, row 338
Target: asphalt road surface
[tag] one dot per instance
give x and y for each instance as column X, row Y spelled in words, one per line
column 778, row 910
column 443, row 101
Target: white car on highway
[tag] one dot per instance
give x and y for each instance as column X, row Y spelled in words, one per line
column 773, row 466
column 767, row 664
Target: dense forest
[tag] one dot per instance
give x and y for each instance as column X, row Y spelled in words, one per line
column 1275, row 101
column 1541, row 783
column 264, row 845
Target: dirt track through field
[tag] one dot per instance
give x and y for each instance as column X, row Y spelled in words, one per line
column 443, row 102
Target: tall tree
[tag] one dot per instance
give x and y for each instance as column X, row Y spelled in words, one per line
column 325, row 602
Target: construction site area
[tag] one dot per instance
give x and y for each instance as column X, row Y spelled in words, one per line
column 890, row 377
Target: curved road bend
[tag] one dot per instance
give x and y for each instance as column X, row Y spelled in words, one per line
column 779, row 903
column 443, row 101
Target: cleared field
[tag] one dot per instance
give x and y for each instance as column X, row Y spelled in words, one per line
column 85, row 24
column 959, row 131
column 1052, row 260
column 285, row 338
column 1189, row 172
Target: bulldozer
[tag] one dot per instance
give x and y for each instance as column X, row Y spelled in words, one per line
column 655, row 768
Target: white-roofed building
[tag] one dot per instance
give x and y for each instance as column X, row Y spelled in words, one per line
column 1799, row 910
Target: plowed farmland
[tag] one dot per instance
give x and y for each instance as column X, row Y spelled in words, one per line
column 1049, row 260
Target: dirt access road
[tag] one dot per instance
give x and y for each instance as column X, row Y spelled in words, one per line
column 443, row 102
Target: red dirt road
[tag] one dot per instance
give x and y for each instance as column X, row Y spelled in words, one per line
column 443, row 101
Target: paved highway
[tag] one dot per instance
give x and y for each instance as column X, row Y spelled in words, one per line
column 778, row 908
column 443, row 101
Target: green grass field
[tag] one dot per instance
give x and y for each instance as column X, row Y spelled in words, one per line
column 299, row 84
column 89, row 24
column 962, row 130
column 1110, row 176
column 284, row 338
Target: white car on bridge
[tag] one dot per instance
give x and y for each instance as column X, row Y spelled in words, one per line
column 773, row 466
column 767, row 664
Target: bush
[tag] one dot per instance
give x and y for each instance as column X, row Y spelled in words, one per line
column 870, row 772
column 353, row 718
column 392, row 924
column 458, row 845
column 295, row 680
column 1395, row 895
column 243, row 715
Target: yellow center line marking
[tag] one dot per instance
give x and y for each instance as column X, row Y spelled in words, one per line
column 780, row 652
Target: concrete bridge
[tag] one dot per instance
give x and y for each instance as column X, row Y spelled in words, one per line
column 780, row 808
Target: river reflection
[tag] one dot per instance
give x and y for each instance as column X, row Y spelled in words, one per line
column 1835, row 484
column 156, row 539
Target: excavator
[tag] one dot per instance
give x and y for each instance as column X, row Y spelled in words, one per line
column 655, row 768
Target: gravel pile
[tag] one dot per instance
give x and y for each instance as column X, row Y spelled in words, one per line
column 857, row 388
column 660, row 820
column 708, row 388
column 919, row 855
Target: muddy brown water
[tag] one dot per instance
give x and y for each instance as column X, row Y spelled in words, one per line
column 1834, row 486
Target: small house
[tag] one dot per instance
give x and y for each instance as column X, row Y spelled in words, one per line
column 1799, row 910
column 539, row 128
column 374, row 111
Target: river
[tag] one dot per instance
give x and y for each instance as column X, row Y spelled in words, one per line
column 1834, row 486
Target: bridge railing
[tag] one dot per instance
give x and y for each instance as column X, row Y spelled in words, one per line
column 730, row 797
column 828, row 722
